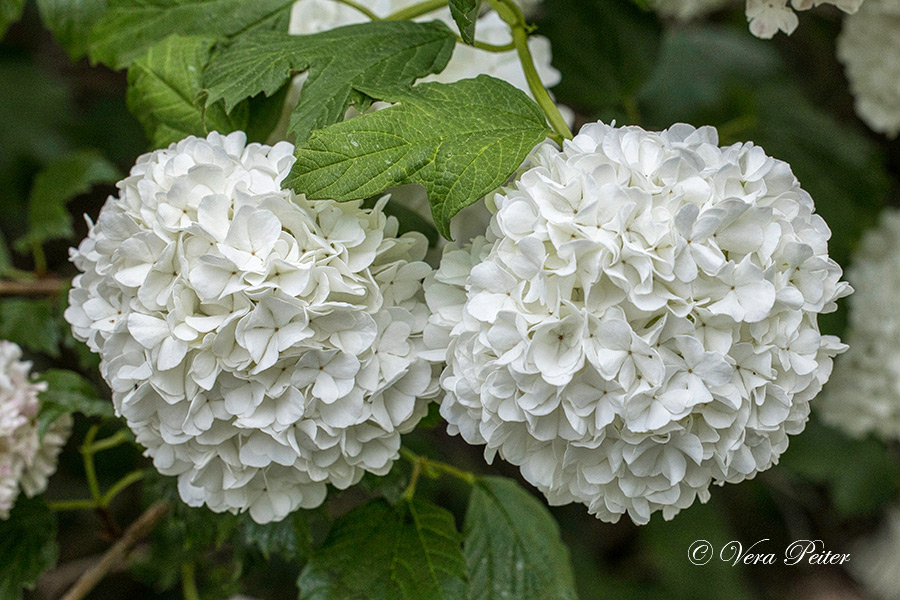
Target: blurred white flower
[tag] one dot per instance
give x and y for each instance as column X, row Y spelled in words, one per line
column 869, row 47
column 766, row 17
column 640, row 321
column 863, row 396
column 876, row 559
column 687, row 9
column 27, row 460
column 259, row 345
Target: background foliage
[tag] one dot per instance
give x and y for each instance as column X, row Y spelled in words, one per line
column 67, row 133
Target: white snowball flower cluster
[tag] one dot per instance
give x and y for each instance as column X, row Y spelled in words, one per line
column 863, row 396
column 259, row 345
column 640, row 321
column 768, row 17
column 27, row 460
column 869, row 47
column 876, row 559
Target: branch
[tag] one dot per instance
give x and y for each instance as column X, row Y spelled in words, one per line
column 50, row 286
column 118, row 551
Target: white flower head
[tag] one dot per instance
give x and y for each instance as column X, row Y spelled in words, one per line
column 863, row 396
column 640, row 321
column 869, row 47
column 766, row 17
column 260, row 345
column 27, row 460
column 875, row 559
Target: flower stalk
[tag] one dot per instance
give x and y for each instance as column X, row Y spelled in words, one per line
column 512, row 14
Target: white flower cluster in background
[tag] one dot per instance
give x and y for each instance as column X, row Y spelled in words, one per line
column 768, row 17
column 641, row 320
column 27, row 460
column 876, row 559
column 863, row 395
column 869, row 47
column 258, row 344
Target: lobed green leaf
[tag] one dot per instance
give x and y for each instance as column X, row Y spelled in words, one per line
column 379, row 552
column 62, row 180
column 31, row 324
column 128, row 28
column 71, row 22
column 68, row 392
column 390, row 55
column 465, row 14
column 513, row 547
column 459, row 140
column 164, row 86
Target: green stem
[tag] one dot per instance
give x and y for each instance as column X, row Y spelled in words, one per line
column 72, row 505
column 40, row 259
column 510, row 12
column 189, row 582
column 416, row 10
column 488, row 47
column 120, row 485
column 435, row 466
column 410, row 490
column 357, row 6
column 116, row 439
column 87, row 456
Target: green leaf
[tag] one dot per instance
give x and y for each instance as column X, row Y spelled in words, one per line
column 465, row 13
column 289, row 538
column 27, row 546
column 62, row 180
column 389, row 55
column 605, row 51
column 379, row 552
column 459, row 140
column 68, row 392
column 163, row 89
column 10, row 12
column 128, row 28
column 71, row 22
column 512, row 546
column 860, row 475
column 31, row 324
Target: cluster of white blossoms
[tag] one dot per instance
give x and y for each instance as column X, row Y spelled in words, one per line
column 876, row 559
column 27, row 460
column 863, row 396
column 641, row 320
column 869, row 47
column 259, row 345
column 766, row 17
